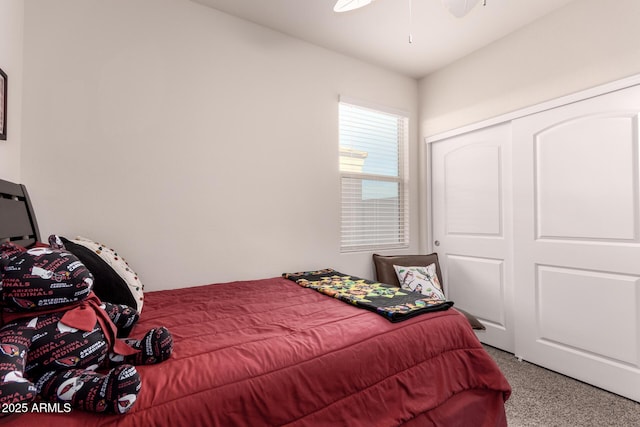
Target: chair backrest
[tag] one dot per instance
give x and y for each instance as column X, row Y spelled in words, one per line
column 385, row 273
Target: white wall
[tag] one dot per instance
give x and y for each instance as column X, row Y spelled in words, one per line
column 11, row 45
column 203, row 147
column 584, row 44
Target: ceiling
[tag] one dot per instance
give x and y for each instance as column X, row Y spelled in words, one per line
column 379, row 33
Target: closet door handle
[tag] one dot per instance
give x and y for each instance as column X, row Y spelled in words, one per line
column 437, row 243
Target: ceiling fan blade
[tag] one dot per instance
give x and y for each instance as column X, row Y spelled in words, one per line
column 459, row 8
column 347, row 5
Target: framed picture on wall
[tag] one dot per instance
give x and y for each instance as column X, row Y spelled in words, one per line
column 3, row 105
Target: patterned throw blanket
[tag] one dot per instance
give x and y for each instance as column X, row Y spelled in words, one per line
column 393, row 303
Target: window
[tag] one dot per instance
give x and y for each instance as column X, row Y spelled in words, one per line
column 375, row 212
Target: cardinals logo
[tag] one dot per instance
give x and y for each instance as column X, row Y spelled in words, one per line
column 14, row 377
column 65, row 328
column 87, row 281
column 9, row 350
column 24, row 303
column 47, row 274
column 69, row 388
column 126, row 402
column 68, row 362
column 32, row 323
column 39, row 251
column 116, row 357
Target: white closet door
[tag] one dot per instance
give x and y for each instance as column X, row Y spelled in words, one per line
column 577, row 240
column 472, row 230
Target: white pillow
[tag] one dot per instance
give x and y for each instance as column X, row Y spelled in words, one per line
column 420, row 279
column 119, row 265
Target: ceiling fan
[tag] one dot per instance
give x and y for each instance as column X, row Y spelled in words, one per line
column 458, row 8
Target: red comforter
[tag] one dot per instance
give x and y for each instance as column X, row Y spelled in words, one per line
column 269, row 352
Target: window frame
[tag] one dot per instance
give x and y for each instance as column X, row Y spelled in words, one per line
column 377, row 242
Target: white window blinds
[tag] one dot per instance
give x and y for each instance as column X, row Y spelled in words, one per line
column 373, row 171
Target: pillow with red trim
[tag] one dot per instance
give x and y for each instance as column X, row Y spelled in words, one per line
column 115, row 280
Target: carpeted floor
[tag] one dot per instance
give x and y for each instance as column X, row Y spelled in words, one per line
column 544, row 398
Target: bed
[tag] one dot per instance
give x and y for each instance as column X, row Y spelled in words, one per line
column 271, row 353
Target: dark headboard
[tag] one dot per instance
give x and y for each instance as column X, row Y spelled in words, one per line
column 17, row 218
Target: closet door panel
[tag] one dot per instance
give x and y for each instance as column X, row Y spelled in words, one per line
column 572, row 322
column 583, row 168
column 487, row 276
column 471, row 193
column 576, row 240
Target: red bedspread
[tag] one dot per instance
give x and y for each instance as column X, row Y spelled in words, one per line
column 269, row 352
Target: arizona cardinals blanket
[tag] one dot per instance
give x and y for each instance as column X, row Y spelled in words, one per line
column 395, row 304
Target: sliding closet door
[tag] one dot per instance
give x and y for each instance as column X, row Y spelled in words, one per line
column 577, row 240
column 471, row 219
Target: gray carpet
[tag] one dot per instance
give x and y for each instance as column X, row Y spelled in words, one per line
column 545, row 398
